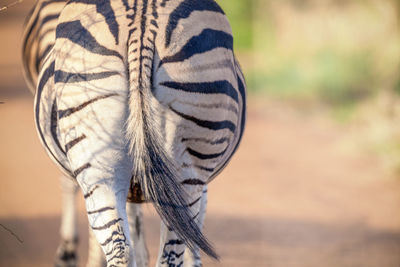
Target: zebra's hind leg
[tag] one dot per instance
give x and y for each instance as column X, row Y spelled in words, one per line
column 136, row 228
column 173, row 251
column 67, row 249
column 109, row 222
column 96, row 256
column 193, row 258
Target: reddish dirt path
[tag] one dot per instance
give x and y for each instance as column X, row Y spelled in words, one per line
column 292, row 196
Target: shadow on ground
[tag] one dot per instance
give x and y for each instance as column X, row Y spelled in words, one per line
column 264, row 242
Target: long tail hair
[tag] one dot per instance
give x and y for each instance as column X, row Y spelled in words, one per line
column 153, row 168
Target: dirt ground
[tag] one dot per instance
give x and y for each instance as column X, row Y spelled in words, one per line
column 295, row 195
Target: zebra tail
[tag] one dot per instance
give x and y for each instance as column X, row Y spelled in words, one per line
column 153, row 168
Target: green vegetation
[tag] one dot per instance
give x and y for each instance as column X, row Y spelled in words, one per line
column 342, row 55
column 240, row 15
column 335, row 52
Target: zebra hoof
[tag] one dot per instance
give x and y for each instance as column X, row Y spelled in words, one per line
column 66, row 254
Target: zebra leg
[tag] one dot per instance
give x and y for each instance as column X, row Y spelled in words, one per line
column 172, row 248
column 193, row 258
column 96, row 256
column 98, row 157
column 66, row 252
column 135, row 219
column 109, row 222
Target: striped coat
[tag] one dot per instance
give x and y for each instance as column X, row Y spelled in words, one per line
column 144, row 92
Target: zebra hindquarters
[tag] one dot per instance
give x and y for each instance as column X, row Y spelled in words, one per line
column 90, row 108
column 91, row 127
column 99, row 160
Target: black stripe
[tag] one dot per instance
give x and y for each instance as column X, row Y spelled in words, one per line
column 154, row 7
column 145, row 57
column 68, row 77
column 242, row 91
column 45, row 33
column 100, row 210
column 48, row 18
column 45, row 78
column 154, row 23
column 138, row 227
column 212, row 125
column 208, row 40
column 54, row 126
column 204, row 168
column 67, row 112
column 194, row 202
column 70, row 144
column 171, row 255
column 107, row 225
column 195, row 216
column 41, row 56
column 33, row 26
column 164, row 2
column 173, row 242
column 204, row 156
column 193, row 182
column 126, row 4
column 184, row 10
column 44, row 4
column 76, row 33
column 104, row 8
column 113, row 234
column 132, row 31
column 119, row 255
column 151, row 40
column 216, row 87
column 149, row 49
column 47, row 74
column 81, row 169
column 88, row 194
column 28, row 36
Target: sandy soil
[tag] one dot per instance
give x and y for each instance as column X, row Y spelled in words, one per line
column 294, row 195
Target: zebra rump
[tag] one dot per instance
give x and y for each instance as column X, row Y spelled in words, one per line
column 153, row 168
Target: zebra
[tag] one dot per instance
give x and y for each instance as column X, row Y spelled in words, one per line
column 137, row 100
column 38, row 39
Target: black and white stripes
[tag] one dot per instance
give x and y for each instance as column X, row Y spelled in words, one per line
column 137, row 91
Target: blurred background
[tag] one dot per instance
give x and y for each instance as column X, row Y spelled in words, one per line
column 316, row 179
column 341, row 56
